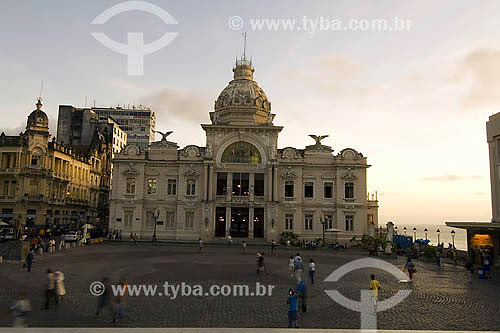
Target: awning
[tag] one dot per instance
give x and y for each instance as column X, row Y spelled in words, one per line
column 492, row 226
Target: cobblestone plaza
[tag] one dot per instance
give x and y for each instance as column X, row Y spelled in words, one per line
column 441, row 298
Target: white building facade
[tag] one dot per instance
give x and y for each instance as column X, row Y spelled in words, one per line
column 240, row 183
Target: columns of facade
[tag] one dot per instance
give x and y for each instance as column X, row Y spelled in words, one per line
column 205, row 182
column 228, row 219
column 250, row 221
column 275, row 183
column 212, row 183
column 229, row 186
column 269, row 184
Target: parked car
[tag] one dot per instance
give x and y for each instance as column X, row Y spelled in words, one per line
column 70, row 236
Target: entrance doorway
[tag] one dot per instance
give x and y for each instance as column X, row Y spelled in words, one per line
column 258, row 223
column 239, row 222
column 220, row 222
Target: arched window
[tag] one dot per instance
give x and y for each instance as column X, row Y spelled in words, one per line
column 241, row 152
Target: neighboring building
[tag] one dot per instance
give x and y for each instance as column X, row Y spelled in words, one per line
column 137, row 122
column 488, row 233
column 240, row 183
column 48, row 183
column 76, row 127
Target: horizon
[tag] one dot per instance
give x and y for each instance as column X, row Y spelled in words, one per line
column 405, row 108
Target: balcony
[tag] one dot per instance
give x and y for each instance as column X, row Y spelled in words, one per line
column 7, row 197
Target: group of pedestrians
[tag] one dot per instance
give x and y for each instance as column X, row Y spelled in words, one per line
column 297, row 298
column 55, row 288
column 116, row 303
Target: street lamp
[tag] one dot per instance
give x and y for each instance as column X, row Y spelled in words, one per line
column 156, row 214
column 404, row 229
column 425, row 230
column 396, row 230
column 322, row 220
column 438, row 233
column 414, row 234
column 453, row 237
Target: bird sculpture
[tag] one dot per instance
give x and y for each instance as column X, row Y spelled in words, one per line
column 164, row 135
column 318, row 138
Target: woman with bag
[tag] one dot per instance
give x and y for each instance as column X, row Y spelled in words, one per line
column 410, row 267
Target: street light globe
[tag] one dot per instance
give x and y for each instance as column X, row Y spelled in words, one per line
column 453, row 232
column 438, row 231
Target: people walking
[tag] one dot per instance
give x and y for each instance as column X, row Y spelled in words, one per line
column 120, row 301
column 50, row 292
column 293, row 309
column 375, row 288
column 60, row 288
column 291, row 266
column 312, row 270
column 200, row 244
column 298, row 267
column 244, row 246
column 261, row 266
column 302, row 292
column 19, row 310
column 29, row 259
column 104, row 299
column 410, row 267
column 273, row 246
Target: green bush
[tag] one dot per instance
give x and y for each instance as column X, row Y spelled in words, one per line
column 430, row 251
column 291, row 236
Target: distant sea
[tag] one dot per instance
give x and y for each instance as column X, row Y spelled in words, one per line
column 444, row 237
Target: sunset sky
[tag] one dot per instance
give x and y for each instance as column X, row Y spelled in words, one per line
column 414, row 102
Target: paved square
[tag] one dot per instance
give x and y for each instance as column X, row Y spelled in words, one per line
column 440, row 299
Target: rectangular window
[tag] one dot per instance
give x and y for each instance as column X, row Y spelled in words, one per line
column 13, row 188
column 289, row 222
column 171, row 187
column 328, row 190
column 259, row 184
column 191, row 187
column 308, row 222
column 130, row 186
column 329, row 221
column 6, row 188
column 189, row 221
column 309, row 189
column 349, row 222
column 150, row 220
column 240, row 184
column 289, row 188
column 151, row 186
column 221, row 183
column 129, row 218
column 349, row 190
column 170, row 222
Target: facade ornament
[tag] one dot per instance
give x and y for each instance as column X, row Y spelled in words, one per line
column 349, row 174
column 289, row 174
column 191, row 173
column 131, row 171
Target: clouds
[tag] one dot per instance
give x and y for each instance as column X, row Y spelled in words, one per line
column 184, row 106
column 450, row 178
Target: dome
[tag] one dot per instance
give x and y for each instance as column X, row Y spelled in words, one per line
column 243, row 91
column 38, row 118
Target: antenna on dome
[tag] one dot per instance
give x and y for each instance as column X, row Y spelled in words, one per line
column 41, row 90
column 244, row 44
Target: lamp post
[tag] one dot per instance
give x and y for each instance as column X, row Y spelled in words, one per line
column 414, row 234
column 404, row 229
column 156, row 214
column 453, row 237
column 438, row 233
column 396, row 230
column 425, row 230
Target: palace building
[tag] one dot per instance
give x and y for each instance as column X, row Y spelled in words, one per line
column 46, row 183
column 241, row 183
